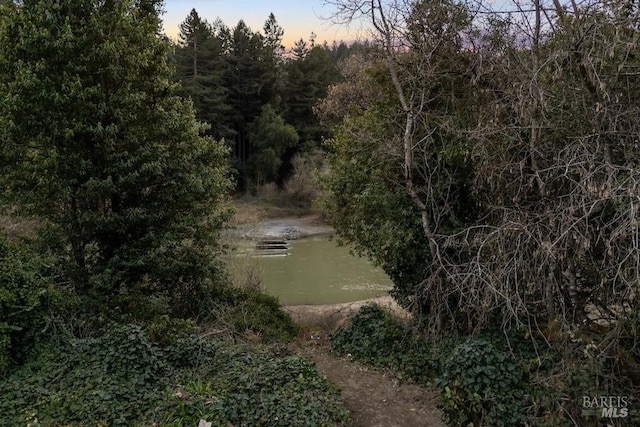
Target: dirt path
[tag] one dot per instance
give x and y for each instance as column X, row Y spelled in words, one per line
column 374, row 397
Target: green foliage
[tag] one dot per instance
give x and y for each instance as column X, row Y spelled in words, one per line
column 113, row 379
column 369, row 208
column 100, row 147
column 258, row 389
column 200, row 68
column 308, row 77
column 270, row 137
column 26, row 296
column 481, row 385
column 123, row 379
column 166, row 330
column 244, row 310
column 233, row 74
column 374, row 336
column 484, row 382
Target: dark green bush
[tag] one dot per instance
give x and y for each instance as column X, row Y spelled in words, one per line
column 113, row 379
column 242, row 310
column 166, row 330
column 481, row 385
column 26, row 295
column 125, row 379
column 375, row 336
column 496, row 379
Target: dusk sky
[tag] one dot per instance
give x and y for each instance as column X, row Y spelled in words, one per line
column 298, row 18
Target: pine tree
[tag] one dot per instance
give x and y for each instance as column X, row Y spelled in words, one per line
column 200, row 66
column 247, row 91
column 309, row 74
column 273, row 34
column 97, row 144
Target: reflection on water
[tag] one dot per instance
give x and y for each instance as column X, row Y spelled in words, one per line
column 317, row 271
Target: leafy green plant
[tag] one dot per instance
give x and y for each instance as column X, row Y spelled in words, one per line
column 124, row 379
column 242, row 310
column 375, row 336
column 26, row 295
column 245, row 386
column 166, row 330
column 131, row 192
column 481, row 385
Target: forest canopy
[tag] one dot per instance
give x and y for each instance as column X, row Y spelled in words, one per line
column 485, row 155
column 238, row 78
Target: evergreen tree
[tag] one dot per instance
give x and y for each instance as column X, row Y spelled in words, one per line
column 309, row 74
column 273, row 34
column 98, row 145
column 247, row 91
column 272, row 59
column 200, row 67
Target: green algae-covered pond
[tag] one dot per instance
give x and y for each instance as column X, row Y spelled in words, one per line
column 317, row 271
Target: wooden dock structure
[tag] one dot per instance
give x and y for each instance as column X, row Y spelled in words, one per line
column 272, row 246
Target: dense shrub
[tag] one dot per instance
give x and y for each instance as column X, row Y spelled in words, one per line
column 25, row 297
column 113, row 380
column 256, row 388
column 124, row 379
column 495, row 379
column 481, row 385
column 233, row 310
column 375, row 336
column 248, row 310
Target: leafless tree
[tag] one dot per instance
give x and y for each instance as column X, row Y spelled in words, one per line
column 553, row 92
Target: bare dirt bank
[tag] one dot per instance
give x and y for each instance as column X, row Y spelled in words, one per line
column 327, row 318
column 286, row 228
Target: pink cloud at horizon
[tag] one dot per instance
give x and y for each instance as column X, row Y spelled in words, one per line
column 298, row 18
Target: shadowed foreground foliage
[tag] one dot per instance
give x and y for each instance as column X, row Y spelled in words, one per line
column 124, row 379
column 101, row 311
column 491, row 379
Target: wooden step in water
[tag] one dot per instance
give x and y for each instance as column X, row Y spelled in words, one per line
column 272, row 247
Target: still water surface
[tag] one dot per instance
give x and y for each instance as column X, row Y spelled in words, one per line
column 318, row 271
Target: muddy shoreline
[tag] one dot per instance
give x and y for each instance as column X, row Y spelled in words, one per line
column 283, row 228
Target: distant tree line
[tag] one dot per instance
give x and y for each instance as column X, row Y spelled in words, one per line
column 254, row 94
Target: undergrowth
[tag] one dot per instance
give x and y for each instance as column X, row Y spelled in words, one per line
column 491, row 379
column 239, row 310
column 376, row 337
column 125, row 379
column 26, row 294
column 72, row 361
